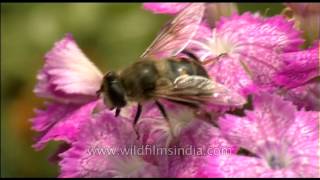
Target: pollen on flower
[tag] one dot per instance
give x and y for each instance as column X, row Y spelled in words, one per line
column 220, row 44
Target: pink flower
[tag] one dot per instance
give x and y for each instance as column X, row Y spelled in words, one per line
column 284, row 141
column 70, row 80
column 203, row 142
column 305, row 96
column 60, row 122
column 298, row 78
column 102, row 149
column 66, row 74
column 248, row 47
column 301, row 67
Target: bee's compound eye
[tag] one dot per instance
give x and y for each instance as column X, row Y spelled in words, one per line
column 107, row 101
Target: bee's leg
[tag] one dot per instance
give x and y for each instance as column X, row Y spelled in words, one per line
column 118, row 110
column 138, row 113
column 194, row 57
column 136, row 118
column 174, row 139
column 212, row 60
column 162, row 110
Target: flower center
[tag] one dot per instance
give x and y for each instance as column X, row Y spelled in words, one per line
column 220, row 44
column 277, row 156
column 277, row 162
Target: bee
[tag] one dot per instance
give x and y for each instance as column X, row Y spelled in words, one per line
column 161, row 74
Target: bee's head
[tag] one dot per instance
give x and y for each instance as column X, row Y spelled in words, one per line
column 112, row 91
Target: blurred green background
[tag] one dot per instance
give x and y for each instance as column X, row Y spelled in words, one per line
column 111, row 34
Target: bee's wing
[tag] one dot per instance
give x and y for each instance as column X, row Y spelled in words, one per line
column 176, row 35
column 198, row 89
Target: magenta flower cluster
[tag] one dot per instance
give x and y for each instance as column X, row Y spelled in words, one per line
column 276, row 134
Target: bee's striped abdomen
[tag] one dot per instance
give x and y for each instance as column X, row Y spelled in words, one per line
column 180, row 67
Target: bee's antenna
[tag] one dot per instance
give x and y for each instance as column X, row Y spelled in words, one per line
column 136, row 118
column 162, row 110
column 213, row 59
column 138, row 113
